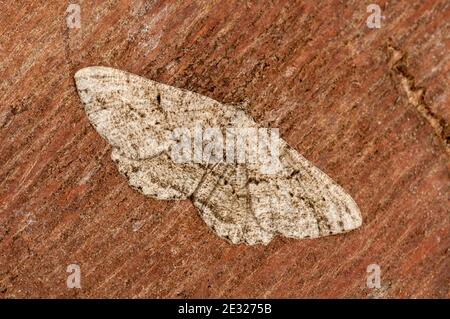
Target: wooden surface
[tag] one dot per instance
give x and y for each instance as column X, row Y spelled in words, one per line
column 370, row 107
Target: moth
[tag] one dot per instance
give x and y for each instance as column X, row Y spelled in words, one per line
column 238, row 201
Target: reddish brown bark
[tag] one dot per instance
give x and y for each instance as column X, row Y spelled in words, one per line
column 334, row 87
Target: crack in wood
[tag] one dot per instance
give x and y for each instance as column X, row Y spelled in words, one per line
column 416, row 95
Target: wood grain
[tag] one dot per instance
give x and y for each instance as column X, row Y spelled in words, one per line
column 370, row 107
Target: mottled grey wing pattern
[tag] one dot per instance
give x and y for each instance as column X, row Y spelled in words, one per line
column 137, row 117
column 243, row 205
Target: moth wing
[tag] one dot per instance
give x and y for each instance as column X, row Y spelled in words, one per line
column 224, row 203
column 137, row 117
column 297, row 200
column 159, row 177
column 301, row 201
column 123, row 109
